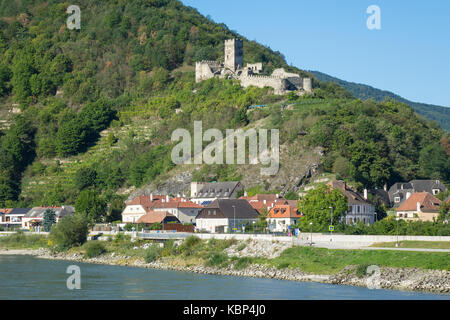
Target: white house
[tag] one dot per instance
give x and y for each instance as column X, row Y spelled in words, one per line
column 138, row 207
column 35, row 216
column 281, row 216
column 359, row 208
column 224, row 215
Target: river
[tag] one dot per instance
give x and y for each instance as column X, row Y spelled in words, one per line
column 28, row 277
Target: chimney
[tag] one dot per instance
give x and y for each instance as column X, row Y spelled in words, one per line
column 264, row 201
column 277, row 195
column 167, row 198
column 408, row 194
column 418, row 206
column 151, row 197
column 365, row 194
column 385, row 187
column 245, row 194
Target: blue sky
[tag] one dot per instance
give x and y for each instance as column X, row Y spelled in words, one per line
column 409, row 56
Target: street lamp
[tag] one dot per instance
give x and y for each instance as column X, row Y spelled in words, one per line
column 331, row 218
column 310, row 238
column 234, row 220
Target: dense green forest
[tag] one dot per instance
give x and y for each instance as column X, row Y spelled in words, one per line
column 431, row 112
column 131, row 67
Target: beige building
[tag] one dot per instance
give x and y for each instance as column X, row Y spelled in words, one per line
column 419, row 206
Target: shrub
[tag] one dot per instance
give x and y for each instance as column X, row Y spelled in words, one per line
column 189, row 244
column 169, row 248
column 152, row 253
column 94, row 249
column 69, row 232
column 217, row 259
column 242, row 263
column 361, row 270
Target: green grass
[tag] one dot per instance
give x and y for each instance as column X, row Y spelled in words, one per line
column 415, row 244
column 327, row 261
column 22, row 241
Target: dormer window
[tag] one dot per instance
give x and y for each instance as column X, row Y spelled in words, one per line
column 397, row 199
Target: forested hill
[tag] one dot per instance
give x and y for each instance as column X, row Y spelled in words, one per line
column 432, row 112
column 89, row 113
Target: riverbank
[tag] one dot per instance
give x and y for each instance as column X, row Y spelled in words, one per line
column 409, row 279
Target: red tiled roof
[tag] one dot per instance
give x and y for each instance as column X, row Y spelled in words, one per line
column 6, row 211
column 176, row 203
column 261, row 197
column 154, row 217
column 284, row 211
column 144, row 201
column 427, row 202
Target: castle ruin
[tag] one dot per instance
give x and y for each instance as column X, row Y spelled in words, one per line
column 233, row 68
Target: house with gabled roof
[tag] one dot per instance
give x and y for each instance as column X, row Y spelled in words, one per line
column 401, row 191
column 138, row 207
column 360, row 209
column 12, row 217
column 282, row 215
column 419, row 206
column 224, row 215
column 35, row 216
column 205, row 193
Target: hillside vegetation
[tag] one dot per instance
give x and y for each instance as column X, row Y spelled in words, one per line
column 98, row 106
column 431, row 112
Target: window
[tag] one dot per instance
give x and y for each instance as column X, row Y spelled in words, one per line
column 397, row 199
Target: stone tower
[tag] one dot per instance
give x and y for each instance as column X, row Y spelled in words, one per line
column 234, row 54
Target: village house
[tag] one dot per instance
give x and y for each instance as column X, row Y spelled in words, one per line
column 224, row 215
column 204, row 193
column 13, row 217
column 35, row 216
column 401, row 191
column 138, row 207
column 3, row 218
column 419, row 206
column 183, row 209
column 282, row 215
column 359, row 208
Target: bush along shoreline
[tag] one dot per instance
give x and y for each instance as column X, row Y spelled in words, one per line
column 411, row 271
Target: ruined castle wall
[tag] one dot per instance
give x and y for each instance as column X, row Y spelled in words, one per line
column 307, row 85
column 279, row 85
column 204, row 70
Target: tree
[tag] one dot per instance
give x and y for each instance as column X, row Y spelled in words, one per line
column 115, row 209
column 315, row 207
column 90, row 206
column 49, row 219
column 84, row 178
column 69, row 232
